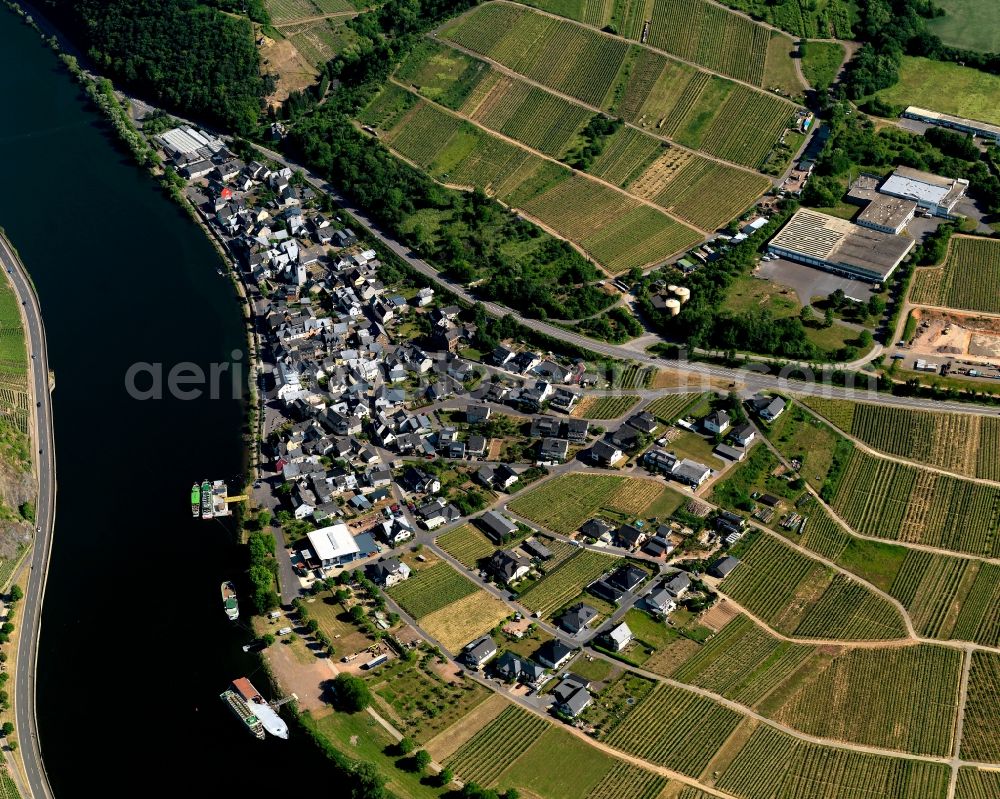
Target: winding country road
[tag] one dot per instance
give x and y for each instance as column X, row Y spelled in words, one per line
column 31, row 611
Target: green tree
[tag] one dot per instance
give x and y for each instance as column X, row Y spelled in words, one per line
column 405, row 746
column 16, row 594
column 370, row 784
column 357, row 613
column 6, row 729
column 445, row 777
column 268, row 639
column 352, row 693
column 422, row 760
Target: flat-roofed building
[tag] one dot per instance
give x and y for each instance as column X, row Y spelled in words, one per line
column 839, row 246
column 933, row 193
column 887, row 214
column 334, row 545
column 982, row 129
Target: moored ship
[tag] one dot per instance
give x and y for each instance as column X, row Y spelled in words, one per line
column 195, row 500
column 268, row 716
column 206, row 500
column 242, row 710
column 229, row 602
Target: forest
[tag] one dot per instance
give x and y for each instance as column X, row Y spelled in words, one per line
column 189, row 57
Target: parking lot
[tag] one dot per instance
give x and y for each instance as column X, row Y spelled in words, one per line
column 808, row 282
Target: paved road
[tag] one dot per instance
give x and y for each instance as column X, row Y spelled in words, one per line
column 31, row 611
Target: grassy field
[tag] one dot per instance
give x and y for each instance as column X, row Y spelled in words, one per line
column 968, row 280
column 420, row 702
column 467, row 544
column 946, row 87
column 363, row 739
column 970, row 25
column 799, row 596
column 566, row 581
column 981, row 733
column 660, row 729
column 962, row 443
column 565, row 503
column 604, row 407
column 892, row 500
column 772, row 763
column 818, row 19
column 821, row 63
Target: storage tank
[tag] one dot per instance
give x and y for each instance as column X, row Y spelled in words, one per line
column 683, row 294
column 671, row 288
column 673, row 306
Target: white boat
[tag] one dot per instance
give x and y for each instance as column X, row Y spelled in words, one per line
column 268, row 716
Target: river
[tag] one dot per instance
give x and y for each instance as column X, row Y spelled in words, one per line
column 134, row 646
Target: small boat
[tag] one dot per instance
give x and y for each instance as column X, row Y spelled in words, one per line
column 206, row 500
column 195, row 500
column 229, row 601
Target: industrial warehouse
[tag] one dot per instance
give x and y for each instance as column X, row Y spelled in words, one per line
column 839, row 246
column 982, row 129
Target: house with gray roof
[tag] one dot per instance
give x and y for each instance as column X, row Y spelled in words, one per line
column 577, row 618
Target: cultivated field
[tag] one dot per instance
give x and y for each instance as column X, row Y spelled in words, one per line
column 566, row 581
column 964, row 443
column 467, row 544
column 981, row 733
column 892, row 500
column 484, row 757
column 693, row 30
column 571, row 59
column 706, row 193
column 773, row 764
column 660, row 729
column 901, row 698
column 668, row 409
column 591, row 407
column 581, row 210
column 969, row 280
column 974, row 783
column 742, row 662
column 464, row 620
column 626, row 780
column 799, row 596
column 726, row 119
column 430, row 589
column 565, row 503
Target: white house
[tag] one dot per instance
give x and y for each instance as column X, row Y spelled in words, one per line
column 333, row 545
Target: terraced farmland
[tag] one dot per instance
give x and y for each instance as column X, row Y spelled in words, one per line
column 565, row 503
column 668, row 408
column 799, row 596
column 969, row 280
column 974, row 783
column 981, row 733
column 773, row 764
column 566, row 581
column 903, row 698
column 676, row 729
column 726, row 119
column 604, row 407
column 595, row 216
column 696, row 31
column 742, row 662
column 892, row 500
column 430, row 589
column 486, row 755
column 964, row 443
column 571, row 59
column 466, row 544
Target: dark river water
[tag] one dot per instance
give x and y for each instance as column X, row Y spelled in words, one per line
column 134, row 646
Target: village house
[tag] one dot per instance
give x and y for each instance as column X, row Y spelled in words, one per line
column 388, row 573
